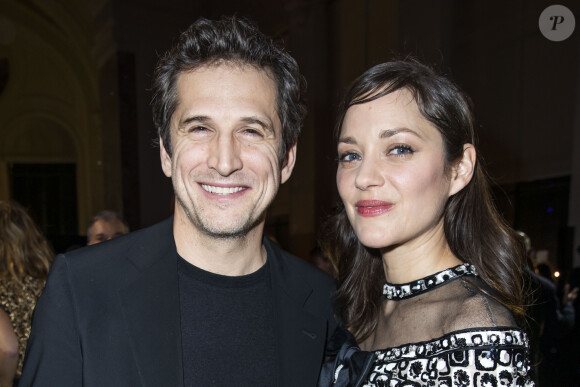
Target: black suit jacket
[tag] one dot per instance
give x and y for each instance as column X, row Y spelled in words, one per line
column 110, row 316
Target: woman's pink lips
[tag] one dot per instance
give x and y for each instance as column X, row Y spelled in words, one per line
column 372, row 207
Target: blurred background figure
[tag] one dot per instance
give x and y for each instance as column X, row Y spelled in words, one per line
column 571, row 342
column 321, row 261
column 106, row 225
column 550, row 319
column 545, row 270
column 25, row 258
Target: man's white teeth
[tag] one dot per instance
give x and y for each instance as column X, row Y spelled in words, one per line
column 221, row 190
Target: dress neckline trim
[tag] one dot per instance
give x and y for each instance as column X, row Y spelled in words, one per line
column 414, row 288
column 463, row 339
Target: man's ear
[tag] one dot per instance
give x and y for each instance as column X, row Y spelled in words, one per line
column 288, row 166
column 463, row 169
column 165, row 159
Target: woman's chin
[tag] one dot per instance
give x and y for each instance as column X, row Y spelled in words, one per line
column 374, row 242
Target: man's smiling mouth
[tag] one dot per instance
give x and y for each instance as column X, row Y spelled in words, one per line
column 221, row 190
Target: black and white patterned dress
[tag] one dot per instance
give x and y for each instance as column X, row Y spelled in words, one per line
column 454, row 335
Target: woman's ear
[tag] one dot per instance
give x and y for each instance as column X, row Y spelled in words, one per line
column 463, row 169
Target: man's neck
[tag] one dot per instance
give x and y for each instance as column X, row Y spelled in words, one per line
column 224, row 256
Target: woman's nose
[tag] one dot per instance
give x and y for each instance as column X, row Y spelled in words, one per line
column 368, row 175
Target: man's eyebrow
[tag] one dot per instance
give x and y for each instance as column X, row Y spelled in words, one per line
column 189, row 120
column 266, row 123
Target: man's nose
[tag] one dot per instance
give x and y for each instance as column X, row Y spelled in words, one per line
column 224, row 155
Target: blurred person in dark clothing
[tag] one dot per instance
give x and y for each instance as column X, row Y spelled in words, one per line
column 545, row 270
column 549, row 319
column 571, row 342
column 104, row 226
column 321, row 261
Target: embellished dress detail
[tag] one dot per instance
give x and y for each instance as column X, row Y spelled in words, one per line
column 486, row 357
column 18, row 301
column 479, row 344
column 400, row 292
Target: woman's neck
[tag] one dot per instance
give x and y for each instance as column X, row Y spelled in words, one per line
column 417, row 259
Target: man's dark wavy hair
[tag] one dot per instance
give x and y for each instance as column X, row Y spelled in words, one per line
column 237, row 41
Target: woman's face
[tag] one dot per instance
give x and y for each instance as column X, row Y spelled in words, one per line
column 391, row 174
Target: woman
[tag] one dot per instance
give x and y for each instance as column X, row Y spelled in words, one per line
column 429, row 274
column 25, row 259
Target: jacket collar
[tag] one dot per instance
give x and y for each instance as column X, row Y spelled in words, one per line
column 301, row 333
column 151, row 307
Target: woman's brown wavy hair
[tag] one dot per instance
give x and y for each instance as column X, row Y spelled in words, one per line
column 23, row 249
column 474, row 229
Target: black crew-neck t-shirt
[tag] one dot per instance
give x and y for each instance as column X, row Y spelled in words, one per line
column 227, row 328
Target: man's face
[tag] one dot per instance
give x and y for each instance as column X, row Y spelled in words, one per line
column 103, row 230
column 225, row 137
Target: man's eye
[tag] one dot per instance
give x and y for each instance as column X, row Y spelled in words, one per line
column 348, row 157
column 253, row 132
column 198, row 129
column 401, row 150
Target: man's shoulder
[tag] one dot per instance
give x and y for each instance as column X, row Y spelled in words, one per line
column 131, row 248
column 304, row 283
column 289, row 265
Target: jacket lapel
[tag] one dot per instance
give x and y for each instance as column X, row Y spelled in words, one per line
column 301, row 335
column 151, row 310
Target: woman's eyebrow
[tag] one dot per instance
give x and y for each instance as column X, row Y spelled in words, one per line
column 347, row 140
column 392, row 132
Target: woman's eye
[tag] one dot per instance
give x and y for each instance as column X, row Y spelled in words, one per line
column 401, row 150
column 348, row 157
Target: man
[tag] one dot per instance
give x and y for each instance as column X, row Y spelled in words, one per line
column 105, row 225
column 203, row 298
